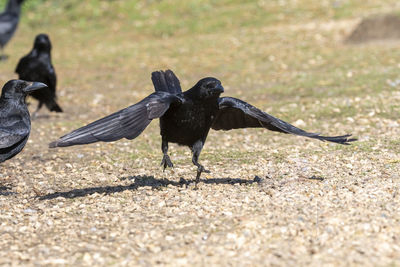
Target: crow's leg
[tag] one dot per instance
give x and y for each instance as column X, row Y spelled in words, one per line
column 166, row 161
column 197, row 147
column 34, row 114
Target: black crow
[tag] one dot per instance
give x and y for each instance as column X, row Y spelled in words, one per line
column 36, row 66
column 185, row 118
column 8, row 23
column 15, row 122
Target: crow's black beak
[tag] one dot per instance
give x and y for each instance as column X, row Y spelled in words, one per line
column 219, row 89
column 33, row 86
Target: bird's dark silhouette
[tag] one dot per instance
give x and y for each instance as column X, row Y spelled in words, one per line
column 9, row 19
column 15, row 122
column 185, row 118
column 36, row 66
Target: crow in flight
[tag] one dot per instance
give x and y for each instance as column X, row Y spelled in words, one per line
column 8, row 23
column 36, row 66
column 185, row 118
column 15, row 122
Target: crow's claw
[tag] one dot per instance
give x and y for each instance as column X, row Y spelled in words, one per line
column 206, row 171
column 166, row 162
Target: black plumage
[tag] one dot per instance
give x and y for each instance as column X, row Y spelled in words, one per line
column 9, row 19
column 185, row 118
column 15, row 123
column 37, row 66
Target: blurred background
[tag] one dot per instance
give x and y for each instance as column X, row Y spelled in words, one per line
column 279, row 49
column 271, row 40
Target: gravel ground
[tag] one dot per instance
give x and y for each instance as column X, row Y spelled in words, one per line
column 270, row 199
column 329, row 207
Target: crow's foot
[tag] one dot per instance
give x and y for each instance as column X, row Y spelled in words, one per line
column 200, row 169
column 166, row 162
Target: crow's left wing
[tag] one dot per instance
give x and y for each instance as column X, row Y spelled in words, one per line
column 235, row 114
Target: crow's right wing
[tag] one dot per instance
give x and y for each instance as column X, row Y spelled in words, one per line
column 126, row 123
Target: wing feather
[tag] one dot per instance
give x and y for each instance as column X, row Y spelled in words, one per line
column 235, row 114
column 126, row 123
column 8, row 139
column 12, row 131
column 7, row 23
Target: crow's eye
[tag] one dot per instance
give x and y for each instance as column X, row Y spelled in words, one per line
column 20, row 86
column 210, row 86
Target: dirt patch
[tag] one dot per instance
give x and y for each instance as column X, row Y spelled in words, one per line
column 376, row 28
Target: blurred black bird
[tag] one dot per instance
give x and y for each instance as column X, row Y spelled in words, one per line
column 15, row 122
column 36, row 66
column 8, row 23
column 185, row 118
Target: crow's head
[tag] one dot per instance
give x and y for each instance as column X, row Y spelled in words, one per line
column 209, row 88
column 18, row 88
column 42, row 42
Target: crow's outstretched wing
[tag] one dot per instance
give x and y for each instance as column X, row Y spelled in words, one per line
column 166, row 81
column 126, row 123
column 235, row 113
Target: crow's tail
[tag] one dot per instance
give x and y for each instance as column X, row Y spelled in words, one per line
column 166, row 81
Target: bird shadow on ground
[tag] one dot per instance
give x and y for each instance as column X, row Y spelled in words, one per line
column 141, row 181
